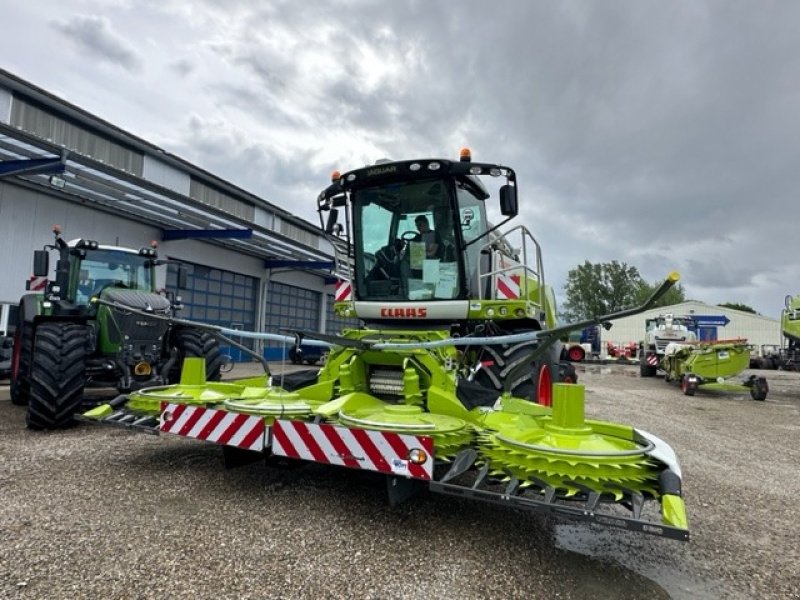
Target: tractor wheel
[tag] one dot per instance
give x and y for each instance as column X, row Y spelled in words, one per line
column 58, row 374
column 501, row 360
column 576, row 354
column 21, row 364
column 646, row 370
column 759, row 389
column 567, row 373
column 195, row 342
column 688, row 387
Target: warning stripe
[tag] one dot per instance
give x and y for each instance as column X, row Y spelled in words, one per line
column 652, row 360
column 344, row 291
column 212, row 425
column 37, row 284
column 380, row 451
column 507, row 286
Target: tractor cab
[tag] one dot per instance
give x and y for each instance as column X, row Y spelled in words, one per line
column 420, row 246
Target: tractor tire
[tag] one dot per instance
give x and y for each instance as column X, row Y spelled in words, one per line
column 688, row 387
column 20, row 387
column 196, row 342
column 759, row 389
column 57, row 375
column 502, row 359
column 646, row 370
column 576, row 354
column 567, row 373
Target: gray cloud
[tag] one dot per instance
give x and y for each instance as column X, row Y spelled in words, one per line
column 659, row 134
column 97, row 36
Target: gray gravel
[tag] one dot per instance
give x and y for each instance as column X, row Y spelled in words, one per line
column 94, row 512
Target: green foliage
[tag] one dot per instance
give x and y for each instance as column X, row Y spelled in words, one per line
column 675, row 295
column 738, row 306
column 597, row 289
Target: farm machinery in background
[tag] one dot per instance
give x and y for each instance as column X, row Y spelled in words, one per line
column 711, row 365
column 65, row 340
column 659, row 332
column 671, row 346
column 453, row 384
column 787, row 355
column 582, row 344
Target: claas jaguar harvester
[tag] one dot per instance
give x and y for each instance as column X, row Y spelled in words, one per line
column 452, row 383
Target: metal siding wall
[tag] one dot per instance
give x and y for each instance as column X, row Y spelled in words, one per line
column 5, row 105
column 26, row 223
column 159, row 173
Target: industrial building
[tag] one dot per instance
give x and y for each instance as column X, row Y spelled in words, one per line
column 714, row 322
column 251, row 264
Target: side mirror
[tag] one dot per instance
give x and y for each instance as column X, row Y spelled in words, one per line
column 787, row 301
column 181, row 277
column 333, row 215
column 41, row 263
column 508, row 201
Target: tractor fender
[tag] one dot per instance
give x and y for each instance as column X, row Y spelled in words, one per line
column 30, row 307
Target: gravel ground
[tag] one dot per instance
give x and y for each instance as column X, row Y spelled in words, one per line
column 95, row 512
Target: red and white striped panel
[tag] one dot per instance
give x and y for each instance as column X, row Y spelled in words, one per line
column 37, row 284
column 507, row 286
column 652, row 360
column 344, row 291
column 218, row 426
column 380, row 451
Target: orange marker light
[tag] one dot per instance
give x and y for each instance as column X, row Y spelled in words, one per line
column 154, row 244
column 56, row 229
column 336, row 176
column 465, row 155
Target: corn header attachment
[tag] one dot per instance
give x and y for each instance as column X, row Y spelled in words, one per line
column 452, row 381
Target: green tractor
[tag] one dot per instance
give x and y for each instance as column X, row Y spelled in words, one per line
column 66, row 340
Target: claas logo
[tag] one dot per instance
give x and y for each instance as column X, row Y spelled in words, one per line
column 414, row 313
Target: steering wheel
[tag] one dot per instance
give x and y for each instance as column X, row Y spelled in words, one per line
column 409, row 236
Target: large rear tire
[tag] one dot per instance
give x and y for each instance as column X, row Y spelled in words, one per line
column 195, row 342
column 21, row 364
column 58, row 374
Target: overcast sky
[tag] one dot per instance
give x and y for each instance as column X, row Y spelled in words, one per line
column 662, row 134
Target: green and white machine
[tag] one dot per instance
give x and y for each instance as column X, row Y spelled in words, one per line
column 711, row 365
column 452, row 383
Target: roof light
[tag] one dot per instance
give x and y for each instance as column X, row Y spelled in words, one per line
column 351, row 177
column 465, row 155
column 495, row 172
column 434, row 166
column 475, row 170
column 414, row 167
column 336, row 176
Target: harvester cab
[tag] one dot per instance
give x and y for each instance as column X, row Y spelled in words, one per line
column 423, row 248
column 76, row 331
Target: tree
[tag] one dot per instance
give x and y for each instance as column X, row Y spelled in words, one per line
column 593, row 290
column 738, row 306
column 674, row 295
